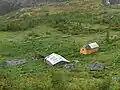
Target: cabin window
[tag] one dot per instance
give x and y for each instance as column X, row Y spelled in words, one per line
column 82, row 49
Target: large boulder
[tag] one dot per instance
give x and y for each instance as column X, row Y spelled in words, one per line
column 97, row 66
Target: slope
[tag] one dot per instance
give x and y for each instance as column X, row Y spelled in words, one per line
column 62, row 28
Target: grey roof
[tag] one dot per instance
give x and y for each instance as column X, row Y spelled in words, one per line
column 91, row 46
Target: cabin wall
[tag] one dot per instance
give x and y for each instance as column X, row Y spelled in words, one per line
column 48, row 63
column 83, row 51
column 86, row 51
column 92, row 51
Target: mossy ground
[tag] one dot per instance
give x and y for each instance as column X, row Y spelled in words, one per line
column 47, row 35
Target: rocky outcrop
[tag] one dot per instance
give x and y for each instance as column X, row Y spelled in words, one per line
column 108, row 2
column 11, row 5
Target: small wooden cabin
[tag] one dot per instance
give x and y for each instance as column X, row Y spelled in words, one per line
column 89, row 48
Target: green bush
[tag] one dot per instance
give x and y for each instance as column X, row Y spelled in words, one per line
column 59, row 81
column 105, row 85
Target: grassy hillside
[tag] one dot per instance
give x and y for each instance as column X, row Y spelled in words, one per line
column 62, row 28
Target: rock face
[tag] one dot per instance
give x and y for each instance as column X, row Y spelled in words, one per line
column 96, row 66
column 11, row 5
column 110, row 2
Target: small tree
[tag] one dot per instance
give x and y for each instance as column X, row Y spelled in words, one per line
column 105, row 84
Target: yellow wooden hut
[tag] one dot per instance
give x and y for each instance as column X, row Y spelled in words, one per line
column 89, row 48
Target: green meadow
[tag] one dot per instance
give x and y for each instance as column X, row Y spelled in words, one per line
column 62, row 28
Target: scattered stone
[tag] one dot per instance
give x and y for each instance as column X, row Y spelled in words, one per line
column 116, row 78
column 70, row 67
column 14, row 62
column 96, row 66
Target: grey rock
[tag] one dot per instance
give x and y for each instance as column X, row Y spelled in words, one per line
column 11, row 5
column 15, row 62
column 110, row 2
column 96, row 66
column 70, row 67
column 116, row 78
